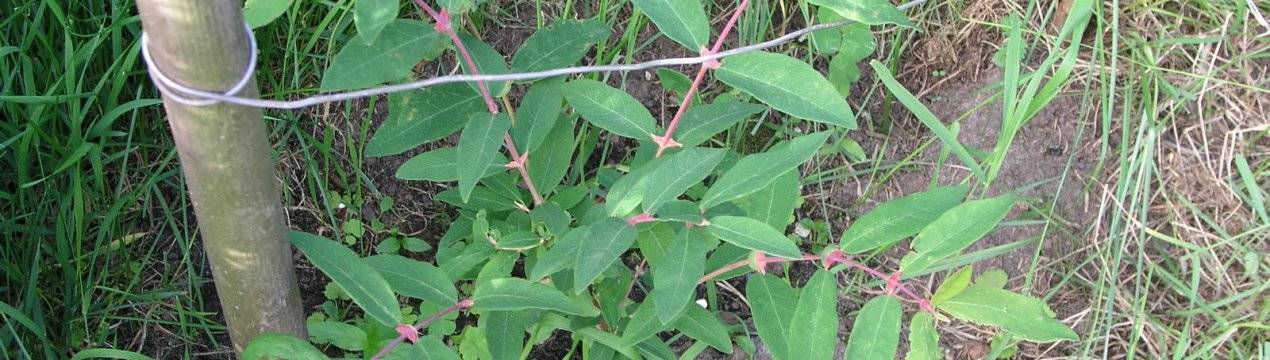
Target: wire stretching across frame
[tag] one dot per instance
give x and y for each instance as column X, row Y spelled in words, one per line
column 204, row 97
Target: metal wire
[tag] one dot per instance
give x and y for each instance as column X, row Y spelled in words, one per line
column 181, row 93
column 170, row 87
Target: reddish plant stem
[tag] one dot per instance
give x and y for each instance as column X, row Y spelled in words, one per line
column 519, row 162
column 912, row 296
column 461, row 305
column 667, row 141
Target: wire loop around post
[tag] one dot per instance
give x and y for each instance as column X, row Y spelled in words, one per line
column 186, row 95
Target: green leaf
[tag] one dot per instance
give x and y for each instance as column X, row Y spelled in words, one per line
column 872, row 12
column 103, row 353
column 456, row 6
column 606, row 241
column 923, row 114
column 674, row 81
column 654, row 241
column 674, row 176
column 560, row 45
column 259, row 13
column 429, row 347
column 482, row 198
column 418, row 117
column 702, row 122
column 1026, row 317
column 992, row 278
column 827, row 41
column 626, row 194
column 683, row 21
column 371, row 16
column 520, row 240
column 279, row 346
column 770, row 299
column 365, row 286
column 955, row 230
column 521, row 294
column 703, row 325
column 754, row 235
column 549, row 165
column 773, row 204
column 842, row 73
column 643, row 324
column 876, row 332
column 560, row 256
column 505, row 333
column 897, row 219
column 537, row 115
column 488, row 62
column 953, row 285
column 397, row 49
column 755, row 171
column 789, row 85
column 813, row 333
column 343, row 336
column 675, row 277
column 923, row 340
column 415, row 279
column 858, row 42
column 610, row 109
column 441, row 165
column 480, row 143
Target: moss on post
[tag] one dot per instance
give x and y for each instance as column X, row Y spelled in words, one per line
column 228, row 167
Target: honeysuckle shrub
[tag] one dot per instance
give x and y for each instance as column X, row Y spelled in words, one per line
column 616, row 253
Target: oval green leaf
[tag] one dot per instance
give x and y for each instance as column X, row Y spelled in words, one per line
column 702, row 122
column 537, row 115
column 813, row 333
column 279, row 346
column 559, row 45
column 754, row 235
column 397, row 49
column 872, row 12
column 417, row 117
column 675, row 277
column 701, row 324
column 770, row 299
column 955, row 230
column 897, row 219
column 521, row 294
column 610, row 109
column 479, row 143
column 415, row 279
column 362, row 283
column 605, row 242
column 1026, row 317
column 371, row 16
column 755, row 171
column 876, row 332
column 675, row 175
column 683, row 21
column 789, row 85
column 923, row 340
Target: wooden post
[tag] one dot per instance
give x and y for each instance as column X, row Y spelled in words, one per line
column 228, row 165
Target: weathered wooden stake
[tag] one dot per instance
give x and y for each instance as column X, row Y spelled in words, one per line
column 228, row 166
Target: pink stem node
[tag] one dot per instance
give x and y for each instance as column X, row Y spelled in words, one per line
column 443, row 22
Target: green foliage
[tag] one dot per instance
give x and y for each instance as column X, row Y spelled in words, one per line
column 395, row 50
column 668, row 223
column 683, row 21
column 789, row 85
column 876, row 332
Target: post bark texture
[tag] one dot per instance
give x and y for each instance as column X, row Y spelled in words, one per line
column 228, row 166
